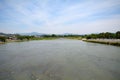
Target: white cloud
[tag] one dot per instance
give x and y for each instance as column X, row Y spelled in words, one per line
column 27, row 13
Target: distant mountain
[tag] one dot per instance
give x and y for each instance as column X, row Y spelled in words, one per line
column 69, row 34
column 5, row 34
column 32, row 33
column 2, row 33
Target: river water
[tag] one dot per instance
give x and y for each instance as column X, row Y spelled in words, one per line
column 60, row 59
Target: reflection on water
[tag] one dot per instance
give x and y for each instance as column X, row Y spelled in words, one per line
column 59, row 60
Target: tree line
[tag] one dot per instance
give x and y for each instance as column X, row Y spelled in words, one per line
column 103, row 35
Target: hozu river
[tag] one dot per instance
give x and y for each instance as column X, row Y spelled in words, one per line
column 60, row 59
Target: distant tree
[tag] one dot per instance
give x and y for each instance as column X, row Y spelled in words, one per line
column 19, row 37
column 53, row 35
column 88, row 37
column 107, row 35
column 93, row 36
column 27, row 37
column 2, row 38
column 101, row 35
column 118, row 34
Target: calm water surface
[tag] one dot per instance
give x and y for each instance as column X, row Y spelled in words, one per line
column 61, row 59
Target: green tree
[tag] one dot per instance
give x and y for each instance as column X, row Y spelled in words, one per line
column 118, row 34
column 2, row 38
column 53, row 35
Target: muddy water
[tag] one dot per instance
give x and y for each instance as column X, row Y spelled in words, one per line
column 61, row 59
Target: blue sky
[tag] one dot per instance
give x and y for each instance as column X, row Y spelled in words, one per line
column 59, row 16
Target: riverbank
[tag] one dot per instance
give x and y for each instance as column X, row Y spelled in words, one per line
column 8, row 40
column 115, row 42
column 2, row 42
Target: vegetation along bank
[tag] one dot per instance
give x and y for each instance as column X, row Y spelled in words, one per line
column 103, row 38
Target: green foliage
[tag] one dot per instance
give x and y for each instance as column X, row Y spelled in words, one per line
column 2, row 38
column 118, row 34
column 53, row 35
column 106, row 35
column 88, row 37
column 19, row 37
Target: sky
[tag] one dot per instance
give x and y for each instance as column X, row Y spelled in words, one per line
column 59, row 16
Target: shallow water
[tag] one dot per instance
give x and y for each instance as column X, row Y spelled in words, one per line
column 61, row 59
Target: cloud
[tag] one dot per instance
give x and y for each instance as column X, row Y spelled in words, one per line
column 60, row 16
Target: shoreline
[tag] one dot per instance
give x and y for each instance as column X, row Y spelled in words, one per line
column 115, row 42
column 2, row 42
column 10, row 41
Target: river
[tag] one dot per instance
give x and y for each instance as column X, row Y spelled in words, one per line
column 60, row 59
